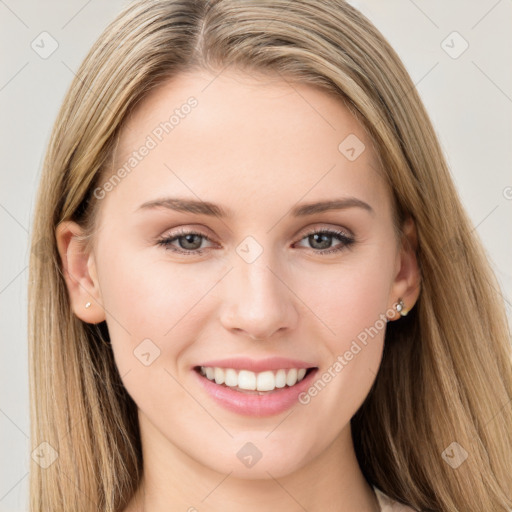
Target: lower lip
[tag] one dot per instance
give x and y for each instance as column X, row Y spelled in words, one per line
column 268, row 404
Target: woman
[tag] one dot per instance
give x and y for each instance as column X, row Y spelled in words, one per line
column 259, row 288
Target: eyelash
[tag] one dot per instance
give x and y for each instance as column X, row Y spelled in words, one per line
column 346, row 240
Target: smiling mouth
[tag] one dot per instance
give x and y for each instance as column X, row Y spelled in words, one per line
column 254, row 383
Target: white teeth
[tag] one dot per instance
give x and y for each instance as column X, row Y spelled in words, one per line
column 281, row 378
column 231, row 378
column 251, row 381
column 265, row 381
column 291, row 377
column 247, row 380
column 219, row 375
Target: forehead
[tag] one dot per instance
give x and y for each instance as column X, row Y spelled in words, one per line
column 244, row 140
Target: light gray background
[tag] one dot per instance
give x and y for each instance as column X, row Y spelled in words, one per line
column 469, row 99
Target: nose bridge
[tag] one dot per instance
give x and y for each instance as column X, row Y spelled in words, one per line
column 260, row 283
column 257, row 300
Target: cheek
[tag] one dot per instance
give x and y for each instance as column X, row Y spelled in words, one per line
column 347, row 375
column 153, row 310
column 148, row 298
column 349, row 298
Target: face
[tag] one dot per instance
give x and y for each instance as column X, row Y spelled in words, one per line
column 264, row 286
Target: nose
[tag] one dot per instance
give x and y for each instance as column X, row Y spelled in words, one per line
column 257, row 301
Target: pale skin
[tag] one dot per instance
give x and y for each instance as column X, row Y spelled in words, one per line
column 257, row 148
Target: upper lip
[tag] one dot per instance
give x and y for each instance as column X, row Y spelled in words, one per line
column 258, row 365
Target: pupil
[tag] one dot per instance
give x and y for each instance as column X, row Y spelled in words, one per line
column 189, row 240
column 326, row 241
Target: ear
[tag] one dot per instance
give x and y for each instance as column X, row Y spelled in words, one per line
column 407, row 282
column 79, row 271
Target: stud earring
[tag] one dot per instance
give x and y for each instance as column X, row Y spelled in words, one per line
column 88, row 305
column 400, row 307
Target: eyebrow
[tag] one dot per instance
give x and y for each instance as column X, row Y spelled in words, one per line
column 212, row 209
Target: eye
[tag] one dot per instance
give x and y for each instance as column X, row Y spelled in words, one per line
column 322, row 239
column 189, row 242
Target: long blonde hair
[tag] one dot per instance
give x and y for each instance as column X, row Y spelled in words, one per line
column 446, row 372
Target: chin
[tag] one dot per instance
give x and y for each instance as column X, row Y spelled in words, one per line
column 260, row 461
